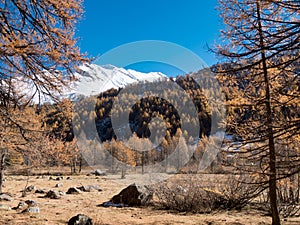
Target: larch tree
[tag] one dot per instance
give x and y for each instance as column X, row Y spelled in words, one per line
column 37, row 46
column 260, row 71
column 38, row 56
column 58, row 128
column 18, row 132
column 180, row 154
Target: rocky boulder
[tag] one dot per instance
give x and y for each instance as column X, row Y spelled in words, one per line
column 57, row 178
column 73, row 190
column 5, row 197
column 4, row 208
column 30, row 188
column 80, row 219
column 40, row 191
column 31, row 202
column 99, row 173
column 21, row 206
column 133, row 195
column 59, row 185
column 89, row 188
column 32, row 209
column 54, row 194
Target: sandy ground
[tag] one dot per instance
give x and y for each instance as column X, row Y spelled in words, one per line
column 59, row 211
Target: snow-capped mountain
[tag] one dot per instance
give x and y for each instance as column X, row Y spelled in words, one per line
column 92, row 80
column 95, row 79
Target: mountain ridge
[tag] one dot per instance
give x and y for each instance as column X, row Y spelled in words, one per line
column 91, row 80
column 95, row 79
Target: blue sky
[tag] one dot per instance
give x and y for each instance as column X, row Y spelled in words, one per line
column 106, row 24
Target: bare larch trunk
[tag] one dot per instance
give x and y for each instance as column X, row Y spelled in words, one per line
column 2, row 168
column 270, row 133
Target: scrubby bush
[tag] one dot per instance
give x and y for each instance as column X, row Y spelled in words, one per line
column 187, row 193
column 288, row 194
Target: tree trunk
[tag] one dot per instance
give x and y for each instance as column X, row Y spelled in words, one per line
column 2, row 167
column 136, row 160
column 178, row 160
column 123, row 174
column 143, row 162
column 166, row 160
column 298, row 187
column 272, row 150
column 80, row 163
column 74, row 165
column 112, row 160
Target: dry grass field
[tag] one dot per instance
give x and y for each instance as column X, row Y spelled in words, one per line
column 59, row 211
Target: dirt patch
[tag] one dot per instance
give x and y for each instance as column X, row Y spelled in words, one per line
column 59, row 211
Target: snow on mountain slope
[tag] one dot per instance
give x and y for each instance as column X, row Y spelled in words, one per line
column 95, row 79
column 92, row 80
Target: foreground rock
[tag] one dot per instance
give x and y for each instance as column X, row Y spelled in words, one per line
column 21, row 206
column 32, row 209
column 5, row 197
column 133, row 195
column 80, row 219
column 54, row 194
column 110, row 204
column 100, row 173
column 73, row 190
column 57, row 178
column 59, row 185
column 31, row 202
column 26, row 205
column 30, row 188
column 40, row 191
column 89, row 188
column 4, row 208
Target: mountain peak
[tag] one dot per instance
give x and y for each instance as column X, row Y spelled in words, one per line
column 94, row 79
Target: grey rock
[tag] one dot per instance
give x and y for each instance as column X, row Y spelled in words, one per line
column 99, row 173
column 59, row 185
column 89, row 188
column 61, row 193
column 4, row 207
column 30, row 188
column 73, row 190
column 110, row 204
column 21, row 206
column 33, row 209
column 31, row 203
column 80, row 219
column 53, row 194
column 5, row 197
column 59, row 178
column 40, row 191
column 133, row 195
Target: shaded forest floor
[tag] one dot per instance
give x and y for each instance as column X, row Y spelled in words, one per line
column 59, row 211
